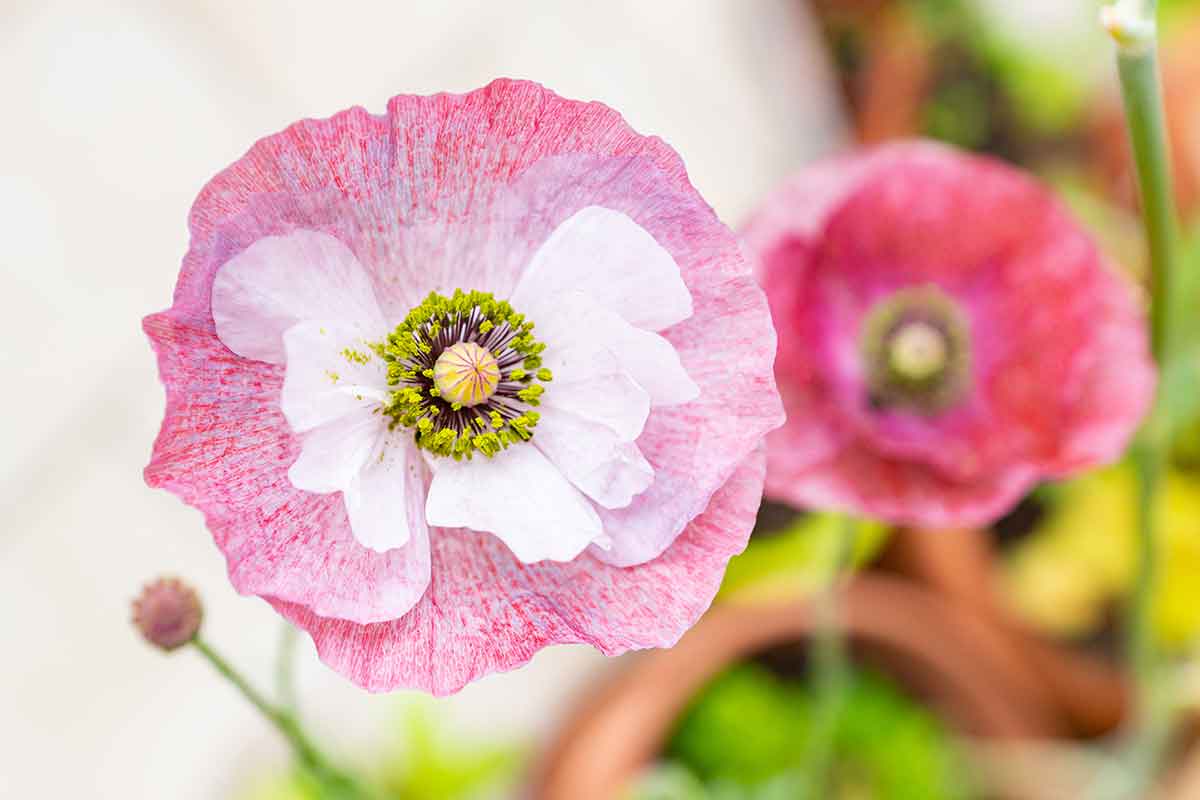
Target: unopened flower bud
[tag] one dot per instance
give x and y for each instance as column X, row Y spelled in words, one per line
column 168, row 613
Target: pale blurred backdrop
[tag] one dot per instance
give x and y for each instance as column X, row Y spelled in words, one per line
column 114, row 115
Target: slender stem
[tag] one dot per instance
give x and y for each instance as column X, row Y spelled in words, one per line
column 1133, row 26
column 1140, row 646
column 1140, row 87
column 335, row 784
column 830, row 664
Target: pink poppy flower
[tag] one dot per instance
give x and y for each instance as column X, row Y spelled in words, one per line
column 948, row 337
column 460, row 381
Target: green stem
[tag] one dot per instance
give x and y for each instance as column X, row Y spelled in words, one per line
column 1140, row 644
column 830, row 665
column 1132, row 25
column 1140, row 87
column 335, row 784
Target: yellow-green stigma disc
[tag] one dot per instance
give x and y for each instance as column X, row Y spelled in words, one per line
column 918, row 351
column 466, row 374
column 916, row 348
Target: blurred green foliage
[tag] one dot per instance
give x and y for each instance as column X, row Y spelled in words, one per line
column 1172, row 12
column 422, row 763
column 993, row 91
column 433, row 766
column 797, row 557
column 746, row 734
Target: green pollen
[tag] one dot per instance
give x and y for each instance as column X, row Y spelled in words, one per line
column 355, row 356
column 448, row 428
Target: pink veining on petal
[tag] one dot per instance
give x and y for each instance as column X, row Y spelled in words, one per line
column 487, row 612
column 1060, row 372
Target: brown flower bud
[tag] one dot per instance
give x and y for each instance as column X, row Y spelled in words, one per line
column 168, row 613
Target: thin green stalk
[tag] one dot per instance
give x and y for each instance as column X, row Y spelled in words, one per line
column 1133, row 26
column 1140, row 645
column 1141, row 89
column 335, row 784
column 831, row 667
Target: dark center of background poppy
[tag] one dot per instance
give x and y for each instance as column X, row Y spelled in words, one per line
column 916, row 351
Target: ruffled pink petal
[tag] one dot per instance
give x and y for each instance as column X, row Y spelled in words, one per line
column 858, row 480
column 1060, row 370
column 487, row 612
column 406, row 191
column 443, row 192
column 225, row 448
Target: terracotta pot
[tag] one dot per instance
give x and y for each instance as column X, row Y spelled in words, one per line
column 949, row 657
column 886, row 91
column 1088, row 693
column 1183, row 780
column 893, row 84
column 1054, row 770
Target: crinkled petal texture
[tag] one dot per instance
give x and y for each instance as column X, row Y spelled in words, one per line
column 1060, row 374
column 466, row 191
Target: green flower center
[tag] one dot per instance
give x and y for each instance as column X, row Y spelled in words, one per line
column 466, row 372
column 916, row 349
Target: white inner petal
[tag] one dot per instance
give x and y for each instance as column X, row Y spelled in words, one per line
column 281, row 280
column 605, row 466
column 385, row 499
column 576, row 329
column 333, row 391
column 380, row 475
column 332, row 454
column 611, row 399
column 609, row 257
column 331, row 371
column 520, row 497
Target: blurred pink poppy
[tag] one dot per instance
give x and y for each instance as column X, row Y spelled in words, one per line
column 388, row 452
column 948, row 337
